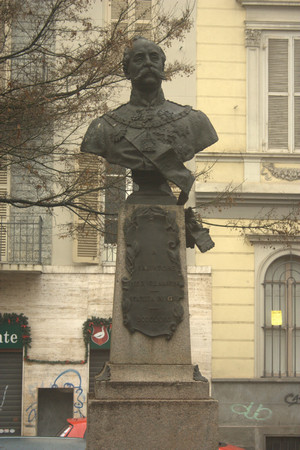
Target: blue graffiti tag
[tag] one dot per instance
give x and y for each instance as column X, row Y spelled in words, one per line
column 78, row 403
column 32, row 412
column 260, row 413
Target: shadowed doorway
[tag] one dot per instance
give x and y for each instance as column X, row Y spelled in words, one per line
column 55, row 406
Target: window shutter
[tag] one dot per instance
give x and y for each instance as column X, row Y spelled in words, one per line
column 3, row 208
column 86, row 244
column 278, row 94
column 297, row 92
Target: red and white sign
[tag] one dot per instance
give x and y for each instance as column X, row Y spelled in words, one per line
column 100, row 335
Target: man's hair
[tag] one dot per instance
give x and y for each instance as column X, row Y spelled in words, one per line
column 128, row 50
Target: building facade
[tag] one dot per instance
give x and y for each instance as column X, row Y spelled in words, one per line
column 57, row 294
column 248, row 76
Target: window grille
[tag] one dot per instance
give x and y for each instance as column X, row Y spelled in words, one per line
column 30, row 69
column 282, row 342
column 21, row 240
column 115, row 195
column 283, row 443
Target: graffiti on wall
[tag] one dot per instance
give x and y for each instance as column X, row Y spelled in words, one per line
column 62, row 381
column 292, row 399
column 31, row 410
column 251, row 412
column 69, row 378
column 31, row 414
column 3, row 396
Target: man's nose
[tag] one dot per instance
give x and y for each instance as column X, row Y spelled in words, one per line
column 148, row 61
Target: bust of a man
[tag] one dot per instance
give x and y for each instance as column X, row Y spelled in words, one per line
column 150, row 135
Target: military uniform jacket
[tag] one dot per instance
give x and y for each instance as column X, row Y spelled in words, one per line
column 144, row 138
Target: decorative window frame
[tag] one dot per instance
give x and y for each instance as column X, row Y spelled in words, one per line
column 267, row 249
column 264, row 18
column 290, row 36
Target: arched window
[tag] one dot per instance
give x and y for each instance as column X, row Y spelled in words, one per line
column 282, row 300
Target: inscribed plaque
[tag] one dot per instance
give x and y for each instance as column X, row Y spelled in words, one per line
column 154, row 288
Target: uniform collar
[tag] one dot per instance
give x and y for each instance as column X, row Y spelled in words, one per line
column 136, row 99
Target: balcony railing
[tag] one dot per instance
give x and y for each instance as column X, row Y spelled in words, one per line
column 21, row 240
column 109, row 254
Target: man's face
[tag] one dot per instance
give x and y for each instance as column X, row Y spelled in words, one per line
column 145, row 68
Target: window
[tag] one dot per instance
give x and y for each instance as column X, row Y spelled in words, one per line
column 97, row 234
column 283, row 443
column 272, row 39
column 29, row 69
column 282, row 342
column 32, row 64
column 283, row 96
column 115, row 194
column 118, row 185
column 136, row 16
column 86, row 244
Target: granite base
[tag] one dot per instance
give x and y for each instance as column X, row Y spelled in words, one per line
column 152, row 416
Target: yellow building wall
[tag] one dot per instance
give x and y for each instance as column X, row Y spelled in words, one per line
column 221, row 94
column 219, row 171
column 232, row 262
column 221, row 71
column 225, row 166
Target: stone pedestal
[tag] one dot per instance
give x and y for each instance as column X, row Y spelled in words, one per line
column 152, row 424
column 149, row 395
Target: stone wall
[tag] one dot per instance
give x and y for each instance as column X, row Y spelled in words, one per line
column 57, row 302
column 249, row 410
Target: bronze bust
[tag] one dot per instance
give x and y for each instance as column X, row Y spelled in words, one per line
column 150, row 135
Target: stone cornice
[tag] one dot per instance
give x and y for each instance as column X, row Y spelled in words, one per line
column 265, row 238
column 256, row 380
column 269, row 2
column 15, row 267
column 210, row 192
column 272, row 25
column 243, row 156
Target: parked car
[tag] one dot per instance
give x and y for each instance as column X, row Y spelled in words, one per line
column 223, row 446
column 77, row 428
column 41, row 442
column 74, row 428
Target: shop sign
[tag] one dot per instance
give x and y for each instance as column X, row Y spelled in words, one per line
column 10, row 336
column 100, row 337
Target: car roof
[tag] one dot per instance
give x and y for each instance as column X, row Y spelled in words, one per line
column 74, row 420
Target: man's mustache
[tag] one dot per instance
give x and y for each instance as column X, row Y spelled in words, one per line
column 144, row 71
